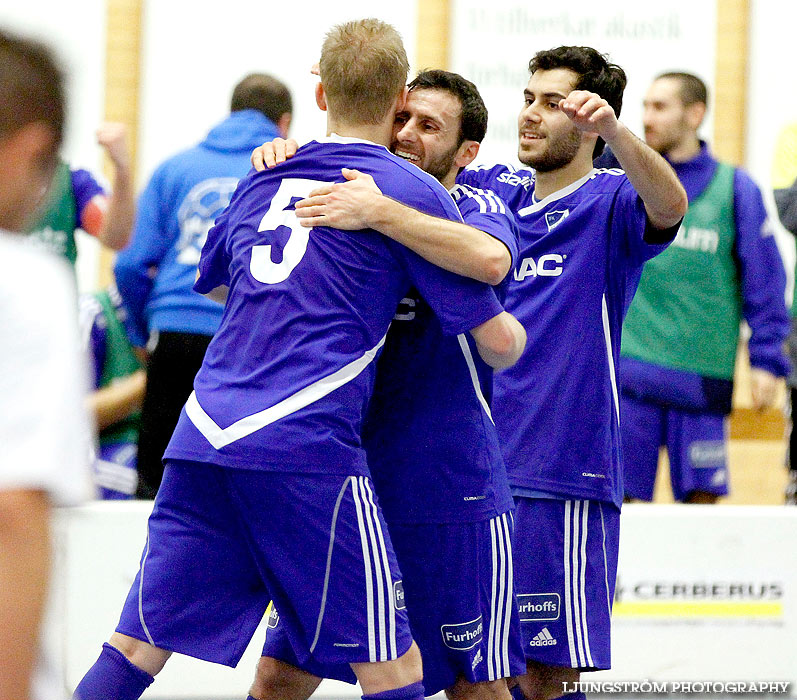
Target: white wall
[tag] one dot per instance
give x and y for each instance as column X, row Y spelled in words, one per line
column 771, row 98
column 492, row 45
column 76, row 33
column 194, row 51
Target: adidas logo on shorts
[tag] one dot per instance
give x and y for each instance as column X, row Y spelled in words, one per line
column 543, row 639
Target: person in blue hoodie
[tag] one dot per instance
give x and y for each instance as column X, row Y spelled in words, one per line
column 155, row 274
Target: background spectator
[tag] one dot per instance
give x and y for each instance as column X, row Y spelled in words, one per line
column 156, row 273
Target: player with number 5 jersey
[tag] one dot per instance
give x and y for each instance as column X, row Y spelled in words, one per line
column 304, row 331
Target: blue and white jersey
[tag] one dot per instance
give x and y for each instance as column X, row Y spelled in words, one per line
column 581, row 255
column 486, row 211
column 431, row 443
column 286, row 379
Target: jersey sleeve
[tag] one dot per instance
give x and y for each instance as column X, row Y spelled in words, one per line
column 763, row 278
column 460, row 303
column 506, row 181
column 631, row 226
column 85, row 187
column 486, row 211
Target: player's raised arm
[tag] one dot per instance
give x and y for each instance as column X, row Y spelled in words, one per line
column 652, row 177
column 119, row 217
column 454, row 246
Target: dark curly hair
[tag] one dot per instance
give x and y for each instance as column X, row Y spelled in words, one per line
column 595, row 74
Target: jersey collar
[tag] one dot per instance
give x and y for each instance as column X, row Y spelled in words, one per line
column 337, row 138
column 554, row 196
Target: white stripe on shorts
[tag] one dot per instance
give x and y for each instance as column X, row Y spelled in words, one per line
column 497, row 607
column 491, row 635
column 501, row 599
column 576, row 524
column 391, row 603
column 605, row 564
column 584, row 533
column 568, row 611
column 141, row 592
column 508, row 599
column 378, row 573
column 369, row 584
column 575, row 591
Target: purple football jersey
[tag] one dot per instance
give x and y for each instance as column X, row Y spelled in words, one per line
column 581, row 255
column 287, row 377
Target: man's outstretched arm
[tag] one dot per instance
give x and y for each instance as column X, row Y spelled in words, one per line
column 652, row 177
column 359, row 204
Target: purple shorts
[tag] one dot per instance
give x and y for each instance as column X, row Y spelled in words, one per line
column 565, row 571
column 459, row 595
column 223, row 542
column 696, row 447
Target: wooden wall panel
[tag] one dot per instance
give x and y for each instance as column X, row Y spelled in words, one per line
column 730, row 83
column 122, row 79
column 434, row 27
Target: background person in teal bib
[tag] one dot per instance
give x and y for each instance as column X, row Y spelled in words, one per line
column 76, row 200
column 681, row 332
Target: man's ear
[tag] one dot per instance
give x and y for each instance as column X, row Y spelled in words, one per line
column 321, row 97
column 467, row 153
column 401, row 100
column 284, row 124
column 695, row 113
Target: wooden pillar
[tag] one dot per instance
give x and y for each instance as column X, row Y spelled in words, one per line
column 730, row 83
column 122, row 78
column 434, row 27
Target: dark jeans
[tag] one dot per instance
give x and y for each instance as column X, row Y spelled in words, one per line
column 171, row 369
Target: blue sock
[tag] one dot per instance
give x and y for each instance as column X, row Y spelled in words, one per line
column 517, row 693
column 414, row 691
column 112, row 676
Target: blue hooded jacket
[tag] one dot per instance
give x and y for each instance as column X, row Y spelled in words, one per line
column 155, row 274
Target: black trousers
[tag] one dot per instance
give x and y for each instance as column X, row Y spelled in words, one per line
column 171, row 369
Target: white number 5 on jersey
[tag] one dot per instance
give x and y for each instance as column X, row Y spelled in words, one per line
column 261, row 266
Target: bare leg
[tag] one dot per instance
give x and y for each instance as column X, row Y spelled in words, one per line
column 701, row 497
column 543, row 682
column 277, row 680
column 486, row 690
column 147, row 657
column 387, row 675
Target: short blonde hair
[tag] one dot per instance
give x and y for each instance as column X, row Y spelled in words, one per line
column 363, row 69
